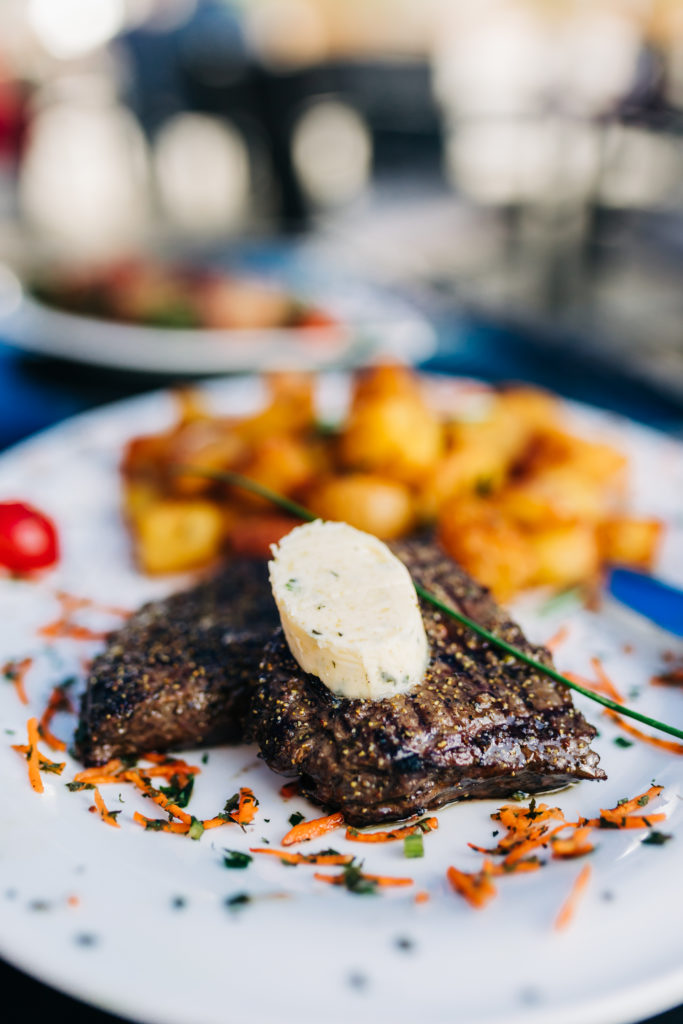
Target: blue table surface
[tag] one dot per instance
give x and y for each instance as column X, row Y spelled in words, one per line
column 36, row 393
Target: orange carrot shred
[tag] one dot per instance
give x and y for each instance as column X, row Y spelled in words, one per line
column 16, row 672
column 477, row 888
column 568, row 909
column 327, row 859
column 426, row 825
column 33, row 758
column 654, row 741
column 557, row 639
column 100, row 771
column 313, row 829
column 537, row 837
column 159, row 825
column 105, row 815
column 635, row 803
column 422, row 897
column 383, row 881
column 576, row 845
column 605, row 681
column 246, row 808
column 158, row 797
column 289, row 790
column 58, row 701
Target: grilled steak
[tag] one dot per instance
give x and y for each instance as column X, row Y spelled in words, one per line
column 177, row 673
column 481, row 724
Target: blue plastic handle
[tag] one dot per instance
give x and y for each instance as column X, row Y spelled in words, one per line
column 658, row 601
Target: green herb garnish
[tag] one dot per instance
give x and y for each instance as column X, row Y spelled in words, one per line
column 178, row 794
column 356, row 881
column 76, row 786
column 236, row 859
column 620, row 741
column 657, row 838
column 238, row 900
column 413, row 846
column 196, row 829
column 296, row 818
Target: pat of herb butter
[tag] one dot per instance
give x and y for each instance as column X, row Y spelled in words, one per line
column 349, row 610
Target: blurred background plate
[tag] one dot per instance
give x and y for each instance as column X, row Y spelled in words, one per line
column 370, row 322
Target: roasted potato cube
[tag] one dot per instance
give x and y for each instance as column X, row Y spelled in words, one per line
column 291, row 409
column 368, row 502
column 630, row 541
column 284, row 464
column 384, row 381
column 536, row 409
column 470, row 469
column 396, row 436
column 173, row 536
column 565, row 554
column 558, row 493
column 209, row 444
column 497, row 552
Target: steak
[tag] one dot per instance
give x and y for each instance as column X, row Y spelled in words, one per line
column 480, row 724
column 177, row 673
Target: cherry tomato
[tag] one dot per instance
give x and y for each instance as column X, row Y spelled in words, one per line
column 28, row 539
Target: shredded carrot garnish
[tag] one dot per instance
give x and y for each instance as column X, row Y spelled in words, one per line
column 104, row 771
column 16, row 672
column 105, row 815
column 557, row 638
column 246, row 808
column 426, row 825
column 654, row 741
column 477, row 888
column 383, row 881
column 595, row 685
column 635, row 803
column 289, row 790
column 576, row 845
column 178, row 827
column 537, row 837
column 65, row 629
column 159, row 825
column 44, row 763
column 157, row 797
column 33, row 757
column 327, row 859
column 517, row 868
column 71, row 603
column 73, row 901
column 672, row 678
column 313, row 829
column 215, row 822
column 422, row 897
column 58, row 701
column 608, row 686
column 167, row 771
column 569, row 907
column 611, row 820
column 64, row 626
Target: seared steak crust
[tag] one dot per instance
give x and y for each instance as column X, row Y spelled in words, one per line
column 177, row 673
column 481, row 724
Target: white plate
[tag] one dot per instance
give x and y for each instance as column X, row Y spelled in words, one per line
column 372, row 323
column 321, row 954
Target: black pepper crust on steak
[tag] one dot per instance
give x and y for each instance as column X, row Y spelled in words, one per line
column 481, row 724
column 177, row 674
